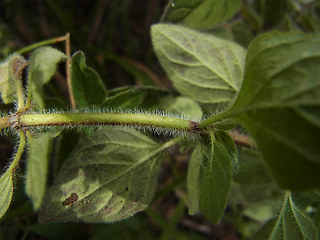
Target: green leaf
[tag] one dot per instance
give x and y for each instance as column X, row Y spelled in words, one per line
column 261, row 211
column 224, row 138
column 43, row 64
column 127, row 98
column 291, row 223
column 209, row 179
column 110, row 176
column 265, row 230
column 193, row 180
column 279, row 103
column 186, row 107
column 200, row 13
column 252, row 193
column 10, row 72
column 252, row 169
column 87, row 86
column 154, row 98
column 6, row 182
column 37, row 167
column 202, row 67
column 6, row 191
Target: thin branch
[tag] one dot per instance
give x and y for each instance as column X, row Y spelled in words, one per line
column 42, row 43
column 68, row 72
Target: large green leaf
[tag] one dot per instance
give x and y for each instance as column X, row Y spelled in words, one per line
column 6, row 191
column 37, row 167
column 6, row 179
column 110, row 176
column 279, row 103
column 43, row 64
column 202, row 67
column 87, row 86
column 209, row 179
column 200, row 13
column 10, row 72
column 291, row 223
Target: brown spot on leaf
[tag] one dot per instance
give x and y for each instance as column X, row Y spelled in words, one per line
column 70, row 200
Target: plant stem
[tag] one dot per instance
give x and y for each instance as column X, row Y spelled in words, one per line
column 29, row 120
column 165, row 12
column 19, row 152
column 68, row 72
column 42, row 43
column 81, row 119
column 218, row 117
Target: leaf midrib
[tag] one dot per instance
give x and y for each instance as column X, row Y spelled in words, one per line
column 148, row 156
column 271, row 77
column 195, row 56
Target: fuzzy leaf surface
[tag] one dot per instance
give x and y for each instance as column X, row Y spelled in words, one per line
column 43, row 64
column 200, row 13
column 291, row 223
column 110, row 176
column 209, row 179
column 87, row 86
column 9, row 75
column 6, row 191
column 37, row 168
column 279, row 103
column 202, row 67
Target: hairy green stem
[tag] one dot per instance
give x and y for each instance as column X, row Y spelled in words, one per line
column 30, row 120
column 78, row 119
column 19, row 152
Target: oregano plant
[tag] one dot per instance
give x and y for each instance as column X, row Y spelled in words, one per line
column 248, row 116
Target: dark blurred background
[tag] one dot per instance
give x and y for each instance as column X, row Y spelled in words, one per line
column 114, row 34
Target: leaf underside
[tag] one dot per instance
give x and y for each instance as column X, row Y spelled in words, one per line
column 291, row 223
column 37, row 167
column 209, row 178
column 6, row 191
column 279, row 103
column 43, row 64
column 9, row 76
column 110, row 176
column 210, row 66
column 200, row 13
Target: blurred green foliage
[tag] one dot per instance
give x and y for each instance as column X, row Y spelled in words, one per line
column 115, row 36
